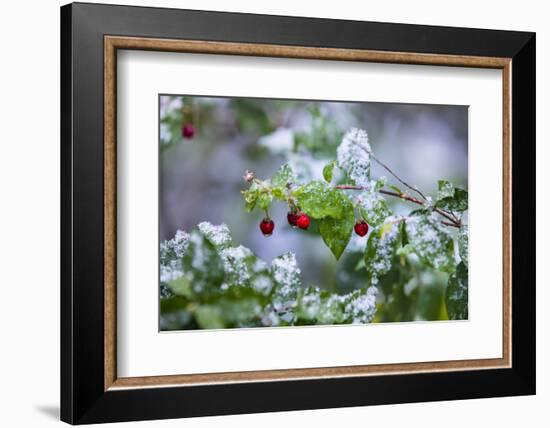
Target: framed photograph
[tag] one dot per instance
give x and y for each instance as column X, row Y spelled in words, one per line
column 265, row 213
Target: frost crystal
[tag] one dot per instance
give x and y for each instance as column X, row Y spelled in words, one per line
column 171, row 252
column 170, row 271
column 286, row 274
column 431, row 242
column 285, row 270
column 236, row 264
column 381, row 260
column 353, row 155
column 374, row 203
column 219, row 235
column 275, row 295
column 463, row 244
column 361, row 307
column 175, row 247
column 310, row 303
column 262, row 284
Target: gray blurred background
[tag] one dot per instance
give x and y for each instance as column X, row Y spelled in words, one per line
column 201, row 177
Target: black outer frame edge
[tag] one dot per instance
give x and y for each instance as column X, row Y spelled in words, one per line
column 524, row 218
column 82, row 397
column 66, row 352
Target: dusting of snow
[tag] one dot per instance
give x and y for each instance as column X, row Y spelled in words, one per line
column 373, row 203
column 463, row 244
column 430, row 240
column 175, row 247
column 262, row 284
column 219, row 235
column 170, row 271
column 285, row 270
column 171, row 252
column 288, row 302
column 353, row 155
column 270, row 318
column 235, row 263
column 386, row 235
column 360, row 308
column 310, row 303
column 286, row 274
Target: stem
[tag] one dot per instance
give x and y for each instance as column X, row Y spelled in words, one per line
column 451, row 222
column 387, row 168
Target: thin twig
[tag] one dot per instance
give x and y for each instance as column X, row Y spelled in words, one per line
column 452, row 221
column 387, row 168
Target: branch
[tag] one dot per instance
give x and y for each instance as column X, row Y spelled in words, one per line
column 387, row 168
column 451, row 222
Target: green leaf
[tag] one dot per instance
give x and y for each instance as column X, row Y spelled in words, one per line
column 463, row 244
column 451, row 198
column 395, row 189
column 319, row 200
column 209, row 316
column 457, row 203
column 181, row 286
column 336, row 233
column 257, row 194
column 202, row 266
column 308, row 304
column 431, row 241
column 381, row 247
column 360, row 265
column 353, row 155
column 446, row 189
column 244, row 269
column 281, row 181
column 251, row 196
column 174, row 314
column 283, row 177
column 328, row 171
column 373, row 207
column 218, row 235
column 264, row 200
column 456, row 297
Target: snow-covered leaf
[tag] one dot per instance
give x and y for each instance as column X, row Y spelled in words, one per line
column 336, row 233
column 353, row 155
column 463, row 244
column 218, row 235
column 318, row 200
column 432, row 241
column 202, row 266
column 381, row 246
column 328, row 171
column 456, row 296
column 451, row 198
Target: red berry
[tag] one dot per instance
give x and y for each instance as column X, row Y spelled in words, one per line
column 303, row 221
column 267, row 226
column 361, row 228
column 292, row 218
column 188, row 130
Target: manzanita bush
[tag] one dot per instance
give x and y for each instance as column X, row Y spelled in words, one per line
column 209, row 281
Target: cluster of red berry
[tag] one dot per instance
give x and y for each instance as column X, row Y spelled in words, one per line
column 302, row 220
column 295, row 219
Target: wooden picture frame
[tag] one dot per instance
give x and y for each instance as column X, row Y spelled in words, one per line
column 91, row 390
